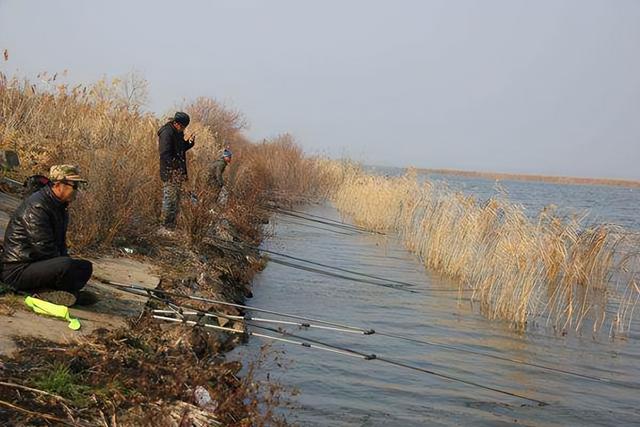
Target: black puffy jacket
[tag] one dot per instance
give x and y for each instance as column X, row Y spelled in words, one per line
column 37, row 229
column 173, row 153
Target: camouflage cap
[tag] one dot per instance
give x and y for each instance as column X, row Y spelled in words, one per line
column 65, row 173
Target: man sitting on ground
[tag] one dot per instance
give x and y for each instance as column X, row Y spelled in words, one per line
column 35, row 257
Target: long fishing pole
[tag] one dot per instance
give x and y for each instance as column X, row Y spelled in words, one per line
column 139, row 290
column 402, row 337
column 302, row 224
column 340, row 276
column 344, row 270
column 177, row 310
column 336, row 275
column 330, row 223
column 251, row 333
column 398, row 282
column 323, row 220
column 404, row 365
column 277, row 208
column 263, row 320
column 312, row 217
column 312, row 343
column 346, row 227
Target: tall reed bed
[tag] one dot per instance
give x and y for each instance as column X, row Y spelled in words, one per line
column 102, row 128
column 519, row 268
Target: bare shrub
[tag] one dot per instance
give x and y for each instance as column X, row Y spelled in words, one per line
column 102, row 129
column 223, row 123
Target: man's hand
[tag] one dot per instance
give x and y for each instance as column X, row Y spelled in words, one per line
column 192, row 138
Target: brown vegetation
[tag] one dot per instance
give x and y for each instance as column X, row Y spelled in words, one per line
column 115, row 144
column 520, row 269
column 139, row 373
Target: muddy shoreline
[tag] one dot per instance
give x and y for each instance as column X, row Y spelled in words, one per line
column 150, row 372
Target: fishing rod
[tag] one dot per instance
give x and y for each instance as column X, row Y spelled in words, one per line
column 139, row 290
column 263, row 320
column 337, row 225
column 251, row 333
column 12, row 181
column 401, row 287
column 493, row 356
column 340, row 276
column 326, row 221
column 405, row 338
column 302, row 224
column 177, row 310
column 310, row 216
column 370, row 332
column 336, row 275
column 228, row 245
column 277, row 208
column 320, row 345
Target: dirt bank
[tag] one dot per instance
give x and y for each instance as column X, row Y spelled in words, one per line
column 136, row 370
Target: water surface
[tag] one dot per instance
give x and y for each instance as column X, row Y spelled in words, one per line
column 343, row 391
column 600, row 203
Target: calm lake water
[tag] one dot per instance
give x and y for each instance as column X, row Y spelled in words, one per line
column 342, row 391
column 602, row 204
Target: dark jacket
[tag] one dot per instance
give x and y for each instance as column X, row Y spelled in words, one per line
column 215, row 173
column 173, row 149
column 37, row 229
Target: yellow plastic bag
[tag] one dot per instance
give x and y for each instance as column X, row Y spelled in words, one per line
column 50, row 309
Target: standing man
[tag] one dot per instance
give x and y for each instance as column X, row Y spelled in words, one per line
column 35, row 256
column 215, row 179
column 173, row 166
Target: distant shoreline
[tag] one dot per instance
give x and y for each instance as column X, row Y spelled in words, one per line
column 539, row 178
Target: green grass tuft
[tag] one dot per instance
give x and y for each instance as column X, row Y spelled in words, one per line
column 61, row 381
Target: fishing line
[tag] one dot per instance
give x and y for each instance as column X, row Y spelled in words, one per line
column 332, row 224
column 403, row 365
column 340, row 276
column 263, row 320
column 289, row 221
column 251, row 333
column 312, row 343
column 325, row 221
column 226, row 245
column 138, row 290
column 320, row 217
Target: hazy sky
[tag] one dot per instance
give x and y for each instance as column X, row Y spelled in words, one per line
column 548, row 87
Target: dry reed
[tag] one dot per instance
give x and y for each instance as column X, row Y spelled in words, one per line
column 102, row 128
column 518, row 267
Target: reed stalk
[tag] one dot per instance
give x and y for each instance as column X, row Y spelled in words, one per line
column 519, row 268
column 102, row 128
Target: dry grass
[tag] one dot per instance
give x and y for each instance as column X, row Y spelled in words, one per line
column 518, row 268
column 102, row 129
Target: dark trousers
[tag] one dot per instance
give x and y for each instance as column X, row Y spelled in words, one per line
column 63, row 273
